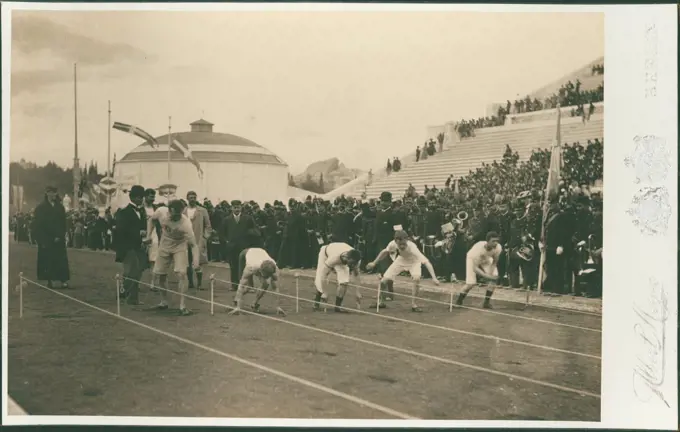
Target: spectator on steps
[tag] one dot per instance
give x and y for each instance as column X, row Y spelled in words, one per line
column 417, row 153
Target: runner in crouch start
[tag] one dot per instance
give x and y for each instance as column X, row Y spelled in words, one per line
column 256, row 262
column 409, row 259
column 343, row 260
column 481, row 267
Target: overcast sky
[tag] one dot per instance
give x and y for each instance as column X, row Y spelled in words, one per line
column 361, row 86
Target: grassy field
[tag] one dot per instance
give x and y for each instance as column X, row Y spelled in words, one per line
column 66, row 358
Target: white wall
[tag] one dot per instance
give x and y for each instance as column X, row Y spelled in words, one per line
column 221, row 180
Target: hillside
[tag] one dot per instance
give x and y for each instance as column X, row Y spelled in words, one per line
column 334, row 172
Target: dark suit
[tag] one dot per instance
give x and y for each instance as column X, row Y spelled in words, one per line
column 50, row 234
column 558, row 233
column 238, row 236
column 130, row 249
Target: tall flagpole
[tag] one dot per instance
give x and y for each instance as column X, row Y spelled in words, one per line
column 108, row 151
column 553, row 177
column 108, row 159
column 169, row 141
column 76, row 162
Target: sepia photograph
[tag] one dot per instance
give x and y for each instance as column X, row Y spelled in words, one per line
column 410, row 203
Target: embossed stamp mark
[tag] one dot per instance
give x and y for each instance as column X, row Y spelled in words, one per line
column 651, row 210
column 650, row 158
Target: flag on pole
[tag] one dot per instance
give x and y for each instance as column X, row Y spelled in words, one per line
column 552, row 191
column 176, row 144
column 137, row 132
column 553, row 187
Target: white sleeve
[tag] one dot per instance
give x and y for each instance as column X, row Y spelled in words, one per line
column 423, row 259
column 158, row 214
column 189, row 230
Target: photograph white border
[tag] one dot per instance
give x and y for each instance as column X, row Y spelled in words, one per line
column 633, row 258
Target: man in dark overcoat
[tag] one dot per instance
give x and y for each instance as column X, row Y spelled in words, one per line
column 239, row 231
column 130, row 247
column 50, row 234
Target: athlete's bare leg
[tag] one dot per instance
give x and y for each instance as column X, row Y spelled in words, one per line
column 414, row 294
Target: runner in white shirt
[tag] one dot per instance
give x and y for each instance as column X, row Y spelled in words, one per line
column 410, row 259
column 177, row 235
column 343, row 260
column 481, row 267
column 256, row 262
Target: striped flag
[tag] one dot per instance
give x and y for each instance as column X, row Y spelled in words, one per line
column 552, row 191
column 184, row 149
column 137, row 132
column 553, row 187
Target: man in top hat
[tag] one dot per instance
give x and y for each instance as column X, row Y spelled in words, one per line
column 237, row 230
column 50, row 233
column 200, row 221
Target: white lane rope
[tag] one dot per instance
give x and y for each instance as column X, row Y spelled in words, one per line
column 493, row 312
column 502, row 288
column 290, row 272
column 450, row 329
column 278, row 373
column 397, row 349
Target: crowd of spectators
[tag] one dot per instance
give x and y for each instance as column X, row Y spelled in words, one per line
column 582, row 166
column 569, row 94
column 393, row 165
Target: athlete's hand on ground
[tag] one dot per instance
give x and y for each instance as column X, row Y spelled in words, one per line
column 436, row 281
column 370, row 266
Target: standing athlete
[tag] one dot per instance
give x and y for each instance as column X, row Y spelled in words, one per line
column 482, row 267
column 256, row 262
column 343, row 260
column 150, row 207
column 176, row 238
column 410, row 259
column 200, row 221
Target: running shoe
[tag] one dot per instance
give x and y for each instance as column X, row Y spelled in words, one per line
column 185, row 312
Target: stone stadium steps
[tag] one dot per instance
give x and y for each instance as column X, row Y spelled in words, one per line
column 487, row 146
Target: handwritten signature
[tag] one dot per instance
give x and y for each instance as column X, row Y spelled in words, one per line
column 650, row 332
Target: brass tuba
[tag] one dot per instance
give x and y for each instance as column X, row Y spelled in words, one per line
column 461, row 218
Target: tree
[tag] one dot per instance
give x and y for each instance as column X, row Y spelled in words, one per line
column 321, row 186
column 311, row 185
column 291, row 180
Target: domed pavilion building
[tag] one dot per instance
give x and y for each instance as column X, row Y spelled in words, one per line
column 233, row 167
